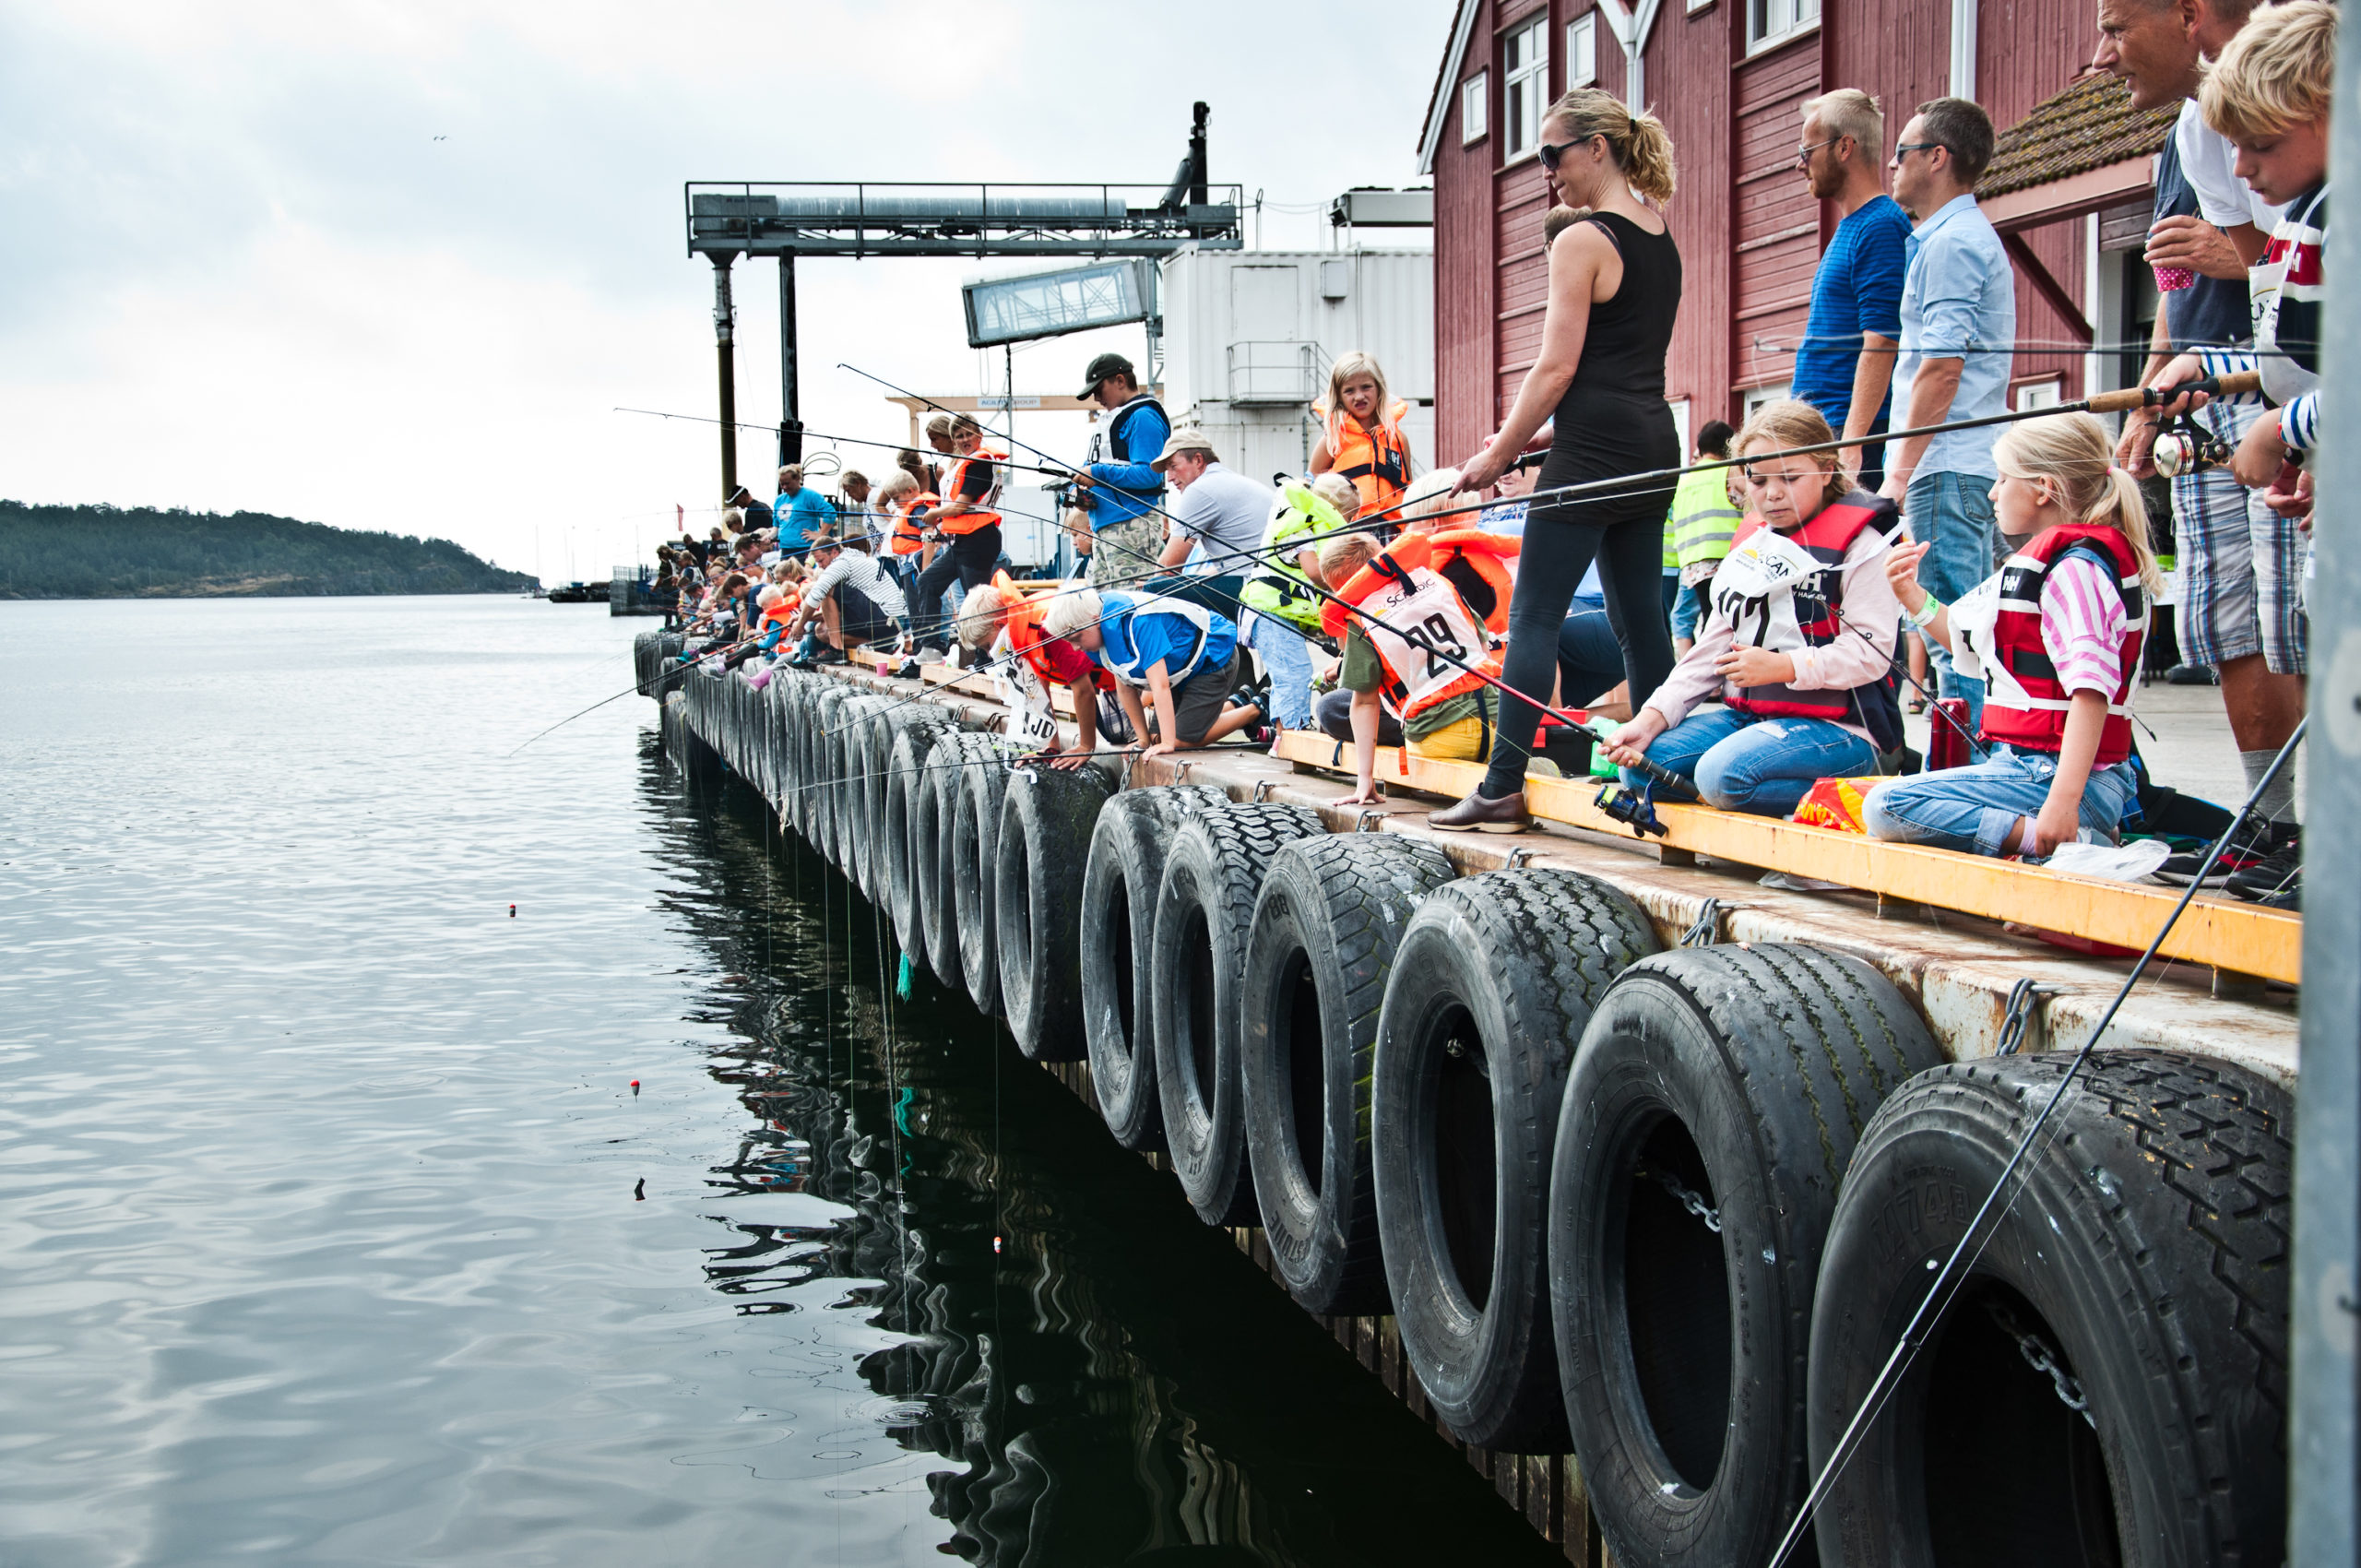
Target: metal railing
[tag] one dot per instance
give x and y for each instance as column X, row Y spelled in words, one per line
column 1273, row 372
column 815, row 218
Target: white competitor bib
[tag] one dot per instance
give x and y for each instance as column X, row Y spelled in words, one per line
column 1973, row 616
column 1419, row 631
column 1032, row 722
column 1754, row 591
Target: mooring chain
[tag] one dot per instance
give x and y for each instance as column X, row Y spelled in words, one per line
column 1706, row 926
column 2019, row 1014
column 2041, row 1358
column 1692, row 1202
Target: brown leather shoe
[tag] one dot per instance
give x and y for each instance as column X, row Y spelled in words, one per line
column 1478, row 814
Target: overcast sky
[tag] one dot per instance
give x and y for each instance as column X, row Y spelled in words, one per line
column 392, row 264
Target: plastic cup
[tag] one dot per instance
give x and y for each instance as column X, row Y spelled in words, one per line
column 2172, row 280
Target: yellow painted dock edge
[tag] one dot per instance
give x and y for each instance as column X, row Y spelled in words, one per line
column 2241, row 938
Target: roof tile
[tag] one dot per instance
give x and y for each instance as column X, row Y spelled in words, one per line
column 2089, row 125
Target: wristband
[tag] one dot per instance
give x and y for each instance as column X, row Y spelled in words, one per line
column 1924, row 616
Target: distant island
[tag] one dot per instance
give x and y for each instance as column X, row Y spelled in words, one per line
column 139, row 551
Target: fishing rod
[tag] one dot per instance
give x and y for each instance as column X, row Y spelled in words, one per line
column 1773, row 343
column 824, row 435
column 1950, row 1278
column 2229, row 385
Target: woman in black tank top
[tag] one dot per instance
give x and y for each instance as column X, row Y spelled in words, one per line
column 1614, row 290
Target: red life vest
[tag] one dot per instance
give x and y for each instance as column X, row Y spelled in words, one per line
column 1025, row 637
column 969, row 522
column 1804, row 612
column 2023, row 703
column 1425, row 597
column 908, row 529
column 1378, row 461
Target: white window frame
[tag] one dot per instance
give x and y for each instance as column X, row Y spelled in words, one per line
column 1755, row 400
column 2047, row 393
column 1524, row 86
column 1770, row 23
column 1474, row 102
column 1582, row 51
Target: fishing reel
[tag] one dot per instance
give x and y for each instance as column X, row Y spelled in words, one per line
column 1636, row 811
column 2184, row 446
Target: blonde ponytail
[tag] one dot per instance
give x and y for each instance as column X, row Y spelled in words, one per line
column 2073, row 453
column 1638, row 143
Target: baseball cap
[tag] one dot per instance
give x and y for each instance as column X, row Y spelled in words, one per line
column 1100, row 369
column 1186, row 439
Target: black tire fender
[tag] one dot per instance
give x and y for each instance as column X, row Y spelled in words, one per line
column 1327, row 923
column 936, row 835
column 825, row 766
column 2146, row 1253
column 1205, row 909
column 906, row 788
column 1119, row 887
column 1492, row 987
column 847, row 813
column 1036, row 899
column 1739, row 1079
column 975, row 866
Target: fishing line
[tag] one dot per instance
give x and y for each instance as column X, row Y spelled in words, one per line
column 1950, row 1278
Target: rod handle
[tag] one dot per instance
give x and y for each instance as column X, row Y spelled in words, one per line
column 2147, row 398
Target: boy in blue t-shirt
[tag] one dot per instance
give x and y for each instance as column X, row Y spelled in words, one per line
column 1182, row 656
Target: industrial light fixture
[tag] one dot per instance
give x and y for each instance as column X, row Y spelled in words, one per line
column 1051, row 304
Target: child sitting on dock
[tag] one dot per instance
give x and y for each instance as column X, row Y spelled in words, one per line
column 2057, row 633
column 1797, row 637
column 1182, row 655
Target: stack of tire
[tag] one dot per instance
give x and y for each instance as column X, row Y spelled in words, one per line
column 1673, row 1211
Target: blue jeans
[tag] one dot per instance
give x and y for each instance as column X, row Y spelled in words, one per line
column 1590, row 659
column 1764, row 765
column 1288, row 658
column 1954, row 511
column 1972, row 809
column 1686, row 611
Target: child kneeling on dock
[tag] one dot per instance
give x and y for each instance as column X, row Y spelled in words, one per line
column 2057, row 633
column 1182, row 655
column 1797, row 637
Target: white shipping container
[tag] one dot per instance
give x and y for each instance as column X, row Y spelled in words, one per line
column 1250, row 336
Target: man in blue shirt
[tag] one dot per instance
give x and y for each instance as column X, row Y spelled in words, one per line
column 1182, row 656
column 1959, row 322
column 1123, row 494
column 803, row 512
column 1844, row 366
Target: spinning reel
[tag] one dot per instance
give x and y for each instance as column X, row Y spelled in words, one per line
column 2185, row 446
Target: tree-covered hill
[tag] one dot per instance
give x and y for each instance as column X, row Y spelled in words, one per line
column 119, row 552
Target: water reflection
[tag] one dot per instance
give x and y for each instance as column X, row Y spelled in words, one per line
column 1104, row 1379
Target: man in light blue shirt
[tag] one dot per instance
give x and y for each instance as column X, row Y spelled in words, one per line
column 1959, row 322
column 803, row 512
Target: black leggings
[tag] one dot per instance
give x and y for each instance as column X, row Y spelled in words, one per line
column 1549, row 568
column 969, row 557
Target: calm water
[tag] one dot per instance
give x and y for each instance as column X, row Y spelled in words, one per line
column 333, row 1231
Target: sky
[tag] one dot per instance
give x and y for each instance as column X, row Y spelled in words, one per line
column 394, row 265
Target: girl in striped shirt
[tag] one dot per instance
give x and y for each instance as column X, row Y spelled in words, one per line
column 2055, row 634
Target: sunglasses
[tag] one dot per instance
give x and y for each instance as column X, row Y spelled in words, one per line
column 1904, row 148
column 1552, row 151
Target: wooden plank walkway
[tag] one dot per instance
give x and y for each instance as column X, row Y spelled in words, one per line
column 2217, row 932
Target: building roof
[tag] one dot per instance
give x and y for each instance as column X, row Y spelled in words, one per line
column 2090, row 125
column 1463, row 23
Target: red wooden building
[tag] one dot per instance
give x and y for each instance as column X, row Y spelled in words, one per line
column 2071, row 186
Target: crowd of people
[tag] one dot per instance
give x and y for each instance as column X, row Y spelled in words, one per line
column 1752, row 617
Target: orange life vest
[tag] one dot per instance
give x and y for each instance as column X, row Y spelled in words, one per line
column 908, row 530
column 1024, row 634
column 2024, row 703
column 969, row 522
column 783, row 608
column 1378, row 462
column 1434, row 608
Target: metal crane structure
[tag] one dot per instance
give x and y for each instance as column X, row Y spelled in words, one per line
column 726, row 220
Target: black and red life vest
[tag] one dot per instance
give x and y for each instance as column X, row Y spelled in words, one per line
column 2024, row 705
column 1804, row 611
